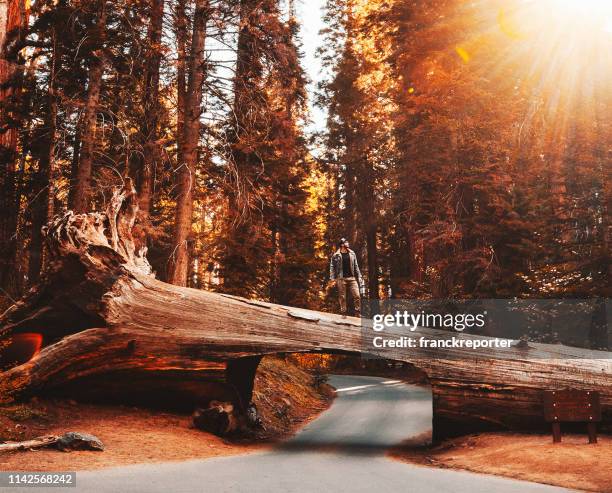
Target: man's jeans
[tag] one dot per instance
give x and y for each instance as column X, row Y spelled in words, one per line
column 349, row 284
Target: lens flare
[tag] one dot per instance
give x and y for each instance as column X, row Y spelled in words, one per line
column 567, row 13
column 553, row 56
column 562, row 47
column 463, row 53
column 509, row 27
column 584, row 5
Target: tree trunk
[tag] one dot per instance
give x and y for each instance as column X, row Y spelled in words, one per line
column 181, row 33
column 369, row 219
column 38, row 218
column 82, row 184
column 238, row 265
column 100, row 311
column 74, row 161
column 151, row 151
column 44, row 204
column 13, row 19
column 179, row 260
column 400, row 259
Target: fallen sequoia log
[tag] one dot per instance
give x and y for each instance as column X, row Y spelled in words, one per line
column 101, row 313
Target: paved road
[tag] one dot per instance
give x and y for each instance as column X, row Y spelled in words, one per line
column 341, row 451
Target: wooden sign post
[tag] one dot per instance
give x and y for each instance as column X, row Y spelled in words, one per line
column 572, row 406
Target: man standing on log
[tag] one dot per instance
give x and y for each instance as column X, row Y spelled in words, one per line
column 344, row 269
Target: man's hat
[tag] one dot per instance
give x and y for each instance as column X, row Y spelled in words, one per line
column 342, row 241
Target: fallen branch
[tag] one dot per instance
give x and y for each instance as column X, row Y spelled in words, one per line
column 36, row 443
column 66, row 442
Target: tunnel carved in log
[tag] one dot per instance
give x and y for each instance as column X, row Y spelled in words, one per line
column 100, row 311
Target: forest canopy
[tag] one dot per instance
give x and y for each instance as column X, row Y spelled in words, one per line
column 467, row 151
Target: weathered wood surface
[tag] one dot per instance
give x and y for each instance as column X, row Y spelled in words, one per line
column 68, row 441
column 35, row 443
column 101, row 311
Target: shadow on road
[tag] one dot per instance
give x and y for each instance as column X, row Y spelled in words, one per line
column 352, row 449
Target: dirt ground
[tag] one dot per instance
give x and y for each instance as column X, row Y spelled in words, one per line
column 285, row 396
column 571, row 464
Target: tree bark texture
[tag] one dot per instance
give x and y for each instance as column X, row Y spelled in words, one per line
column 82, row 184
column 13, row 19
column 179, row 260
column 151, row 151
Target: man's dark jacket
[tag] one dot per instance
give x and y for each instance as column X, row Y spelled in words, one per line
column 335, row 267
